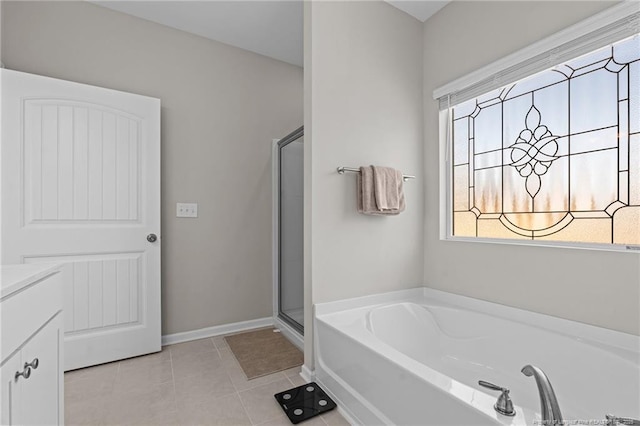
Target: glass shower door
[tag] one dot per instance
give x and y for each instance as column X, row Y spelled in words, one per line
column 290, row 230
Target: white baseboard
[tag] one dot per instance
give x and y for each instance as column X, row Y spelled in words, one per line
column 307, row 374
column 203, row 333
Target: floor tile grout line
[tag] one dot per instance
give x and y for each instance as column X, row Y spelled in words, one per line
column 322, row 418
column 232, row 382
column 173, row 380
column 216, row 348
column 244, row 407
column 115, row 379
column 246, row 412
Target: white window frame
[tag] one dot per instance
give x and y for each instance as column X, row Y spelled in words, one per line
column 537, row 57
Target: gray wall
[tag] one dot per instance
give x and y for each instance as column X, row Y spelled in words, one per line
column 363, row 105
column 221, row 108
column 595, row 287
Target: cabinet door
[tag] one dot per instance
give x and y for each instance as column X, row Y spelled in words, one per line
column 41, row 396
column 10, row 391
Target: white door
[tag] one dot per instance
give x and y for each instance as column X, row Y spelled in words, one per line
column 81, row 187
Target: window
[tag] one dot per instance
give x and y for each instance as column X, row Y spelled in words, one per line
column 555, row 155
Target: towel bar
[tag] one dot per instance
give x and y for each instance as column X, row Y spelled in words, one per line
column 343, row 169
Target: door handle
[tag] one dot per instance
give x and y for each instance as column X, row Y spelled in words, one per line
column 152, row 238
column 33, row 364
column 26, row 373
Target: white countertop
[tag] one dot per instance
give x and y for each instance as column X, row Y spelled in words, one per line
column 13, row 278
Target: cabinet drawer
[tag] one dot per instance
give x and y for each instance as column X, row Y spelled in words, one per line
column 24, row 312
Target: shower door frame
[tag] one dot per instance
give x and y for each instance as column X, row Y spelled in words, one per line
column 290, row 327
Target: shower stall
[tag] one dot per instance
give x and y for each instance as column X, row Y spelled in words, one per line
column 288, row 177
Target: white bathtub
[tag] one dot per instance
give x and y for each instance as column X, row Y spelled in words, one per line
column 414, row 357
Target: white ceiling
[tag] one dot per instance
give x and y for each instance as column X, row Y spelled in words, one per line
column 420, row 9
column 269, row 27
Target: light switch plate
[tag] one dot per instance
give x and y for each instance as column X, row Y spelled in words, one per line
column 186, row 209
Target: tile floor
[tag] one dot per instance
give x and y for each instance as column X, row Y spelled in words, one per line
column 193, row 383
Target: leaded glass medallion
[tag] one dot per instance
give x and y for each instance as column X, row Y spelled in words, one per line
column 555, row 156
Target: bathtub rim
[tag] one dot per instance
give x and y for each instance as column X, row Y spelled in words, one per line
column 592, row 334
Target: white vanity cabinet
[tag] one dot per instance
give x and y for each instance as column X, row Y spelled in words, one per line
column 31, row 370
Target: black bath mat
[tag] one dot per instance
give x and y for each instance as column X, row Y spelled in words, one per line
column 304, row 402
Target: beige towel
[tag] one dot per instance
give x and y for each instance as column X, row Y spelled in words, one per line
column 388, row 191
column 366, row 197
column 364, row 189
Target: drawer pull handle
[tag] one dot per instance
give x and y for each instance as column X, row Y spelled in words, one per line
column 33, row 364
column 26, row 373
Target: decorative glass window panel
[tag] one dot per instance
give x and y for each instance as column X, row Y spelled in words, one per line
column 555, row 156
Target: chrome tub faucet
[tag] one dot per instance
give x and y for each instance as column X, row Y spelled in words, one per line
column 548, row 402
column 504, row 405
